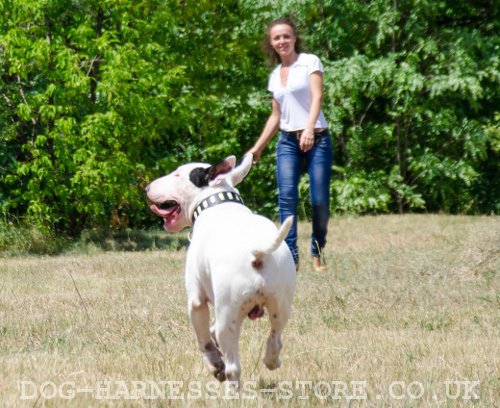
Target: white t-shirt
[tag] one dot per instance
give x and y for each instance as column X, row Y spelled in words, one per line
column 295, row 98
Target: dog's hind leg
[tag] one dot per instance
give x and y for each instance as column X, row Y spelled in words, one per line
column 200, row 318
column 278, row 316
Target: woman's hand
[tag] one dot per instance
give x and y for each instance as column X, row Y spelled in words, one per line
column 256, row 155
column 306, row 142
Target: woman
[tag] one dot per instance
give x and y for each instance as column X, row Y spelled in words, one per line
column 297, row 88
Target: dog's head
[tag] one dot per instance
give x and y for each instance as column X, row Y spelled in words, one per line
column 175, row 196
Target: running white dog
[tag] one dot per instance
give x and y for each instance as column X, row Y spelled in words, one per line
column 236, row 260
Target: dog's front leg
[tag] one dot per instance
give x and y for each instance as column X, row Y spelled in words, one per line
column 200, row 318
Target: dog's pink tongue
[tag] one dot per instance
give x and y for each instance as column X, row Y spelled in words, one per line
column 256, row 312
column 160, row 212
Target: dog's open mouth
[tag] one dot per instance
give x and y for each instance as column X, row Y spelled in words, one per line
column 168, row 210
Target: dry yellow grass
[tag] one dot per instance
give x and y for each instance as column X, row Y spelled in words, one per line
column 408, row 314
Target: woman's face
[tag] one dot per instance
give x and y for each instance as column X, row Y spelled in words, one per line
column 282, row 40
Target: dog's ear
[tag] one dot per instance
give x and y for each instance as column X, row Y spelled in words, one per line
column 213, row 175
column 241, row 170
column 218, row 172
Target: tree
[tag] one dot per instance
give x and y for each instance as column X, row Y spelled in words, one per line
column 97, row 98
column 411, row 87
column 106, row 96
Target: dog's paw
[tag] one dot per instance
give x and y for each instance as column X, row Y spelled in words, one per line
column 220, row 372
column 272, row 364
column 217, row 369
column 213, row 361
column 220, row 375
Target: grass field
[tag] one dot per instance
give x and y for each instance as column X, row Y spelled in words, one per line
column 407, row 315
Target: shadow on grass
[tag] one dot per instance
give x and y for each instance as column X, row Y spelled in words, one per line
column 133, row 240
column 21, row 241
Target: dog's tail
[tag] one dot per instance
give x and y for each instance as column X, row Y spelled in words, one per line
column 258, row 254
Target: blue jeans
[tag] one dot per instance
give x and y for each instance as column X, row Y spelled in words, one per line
column 318, row 162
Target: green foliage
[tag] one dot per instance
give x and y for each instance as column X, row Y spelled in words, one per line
column 412, row 98
column 108, row 96
column 98, row 98
column 373, row 192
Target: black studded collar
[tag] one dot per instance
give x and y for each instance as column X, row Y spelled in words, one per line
column 216, row 199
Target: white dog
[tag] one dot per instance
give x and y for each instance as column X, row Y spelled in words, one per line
column 236, row 260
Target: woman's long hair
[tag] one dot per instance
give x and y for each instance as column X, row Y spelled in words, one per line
column 273, row 57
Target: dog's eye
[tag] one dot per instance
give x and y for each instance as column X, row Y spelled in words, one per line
column 167, row 204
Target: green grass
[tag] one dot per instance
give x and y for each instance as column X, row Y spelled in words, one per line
column 409, row 307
